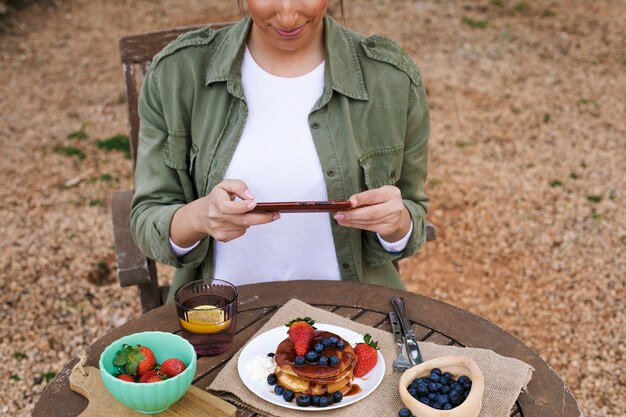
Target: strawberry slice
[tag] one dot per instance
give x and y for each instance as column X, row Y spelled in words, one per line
column 366, row 356
column 301, row 332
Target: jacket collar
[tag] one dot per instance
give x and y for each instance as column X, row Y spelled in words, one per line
column 343, row 70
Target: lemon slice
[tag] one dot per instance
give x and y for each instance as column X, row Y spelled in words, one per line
column 205, row 319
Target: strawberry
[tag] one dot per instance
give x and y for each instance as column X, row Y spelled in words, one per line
column 125, row 377
column 366, row 356
column 136, row 360
column 301, row 332
column 150, row 376
column 172, row 367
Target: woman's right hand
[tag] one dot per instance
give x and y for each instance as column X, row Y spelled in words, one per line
column 218, row 215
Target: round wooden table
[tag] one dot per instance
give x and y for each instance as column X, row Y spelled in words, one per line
column 432, row 321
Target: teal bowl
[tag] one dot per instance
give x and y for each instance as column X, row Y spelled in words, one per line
column 150, row 398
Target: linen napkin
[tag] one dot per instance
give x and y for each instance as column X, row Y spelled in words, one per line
column 505, row 377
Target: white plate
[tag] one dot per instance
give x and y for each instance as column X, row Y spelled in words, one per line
column 268, row 342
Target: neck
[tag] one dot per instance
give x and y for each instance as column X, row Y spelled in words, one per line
column 282, row 62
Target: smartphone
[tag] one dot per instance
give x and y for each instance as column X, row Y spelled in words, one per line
column 302, row 206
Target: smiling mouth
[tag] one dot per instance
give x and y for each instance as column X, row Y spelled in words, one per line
column 289, row 33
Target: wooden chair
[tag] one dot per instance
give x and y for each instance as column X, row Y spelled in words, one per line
column 134, row 268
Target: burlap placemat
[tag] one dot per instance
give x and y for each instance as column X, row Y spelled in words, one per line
column 505, row 377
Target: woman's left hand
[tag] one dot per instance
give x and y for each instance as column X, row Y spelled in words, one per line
column 379, row 210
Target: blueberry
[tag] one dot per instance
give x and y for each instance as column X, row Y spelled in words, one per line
column 303, row 400
column 467, row 386
column 272, row 379
column 271, row 354
column 318, row 347
column 462, row 380
column 333, row 340
column 432, row 396
column 333, row 360
column 325, row 342
column 455, row 386
column 331, row 399
column 436, row 371
column 311, row 356
column 432, row 387
column 323, row 401
column 447, row 406
column 422, row 380
column 437, row 405
column 422, row 389
column 445, row 389
column 340, row 344
column 434, row 378
column 288, row 395
column 424, row 400
column 443, row 399
column 455, row 397
column 278, row 390
column 299, row 360
column 323, row 360
column 447, row 375
column 338, row 396
column 412, row 392
column 315, row 400
column 465, row 394
column 404, row 412
column 439, row 386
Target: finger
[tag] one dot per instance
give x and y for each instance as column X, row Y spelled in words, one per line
column 236, row 188
column 374, row 196
column 370, row 213
column 253, row 219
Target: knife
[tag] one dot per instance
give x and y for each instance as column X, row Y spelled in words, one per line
column 412, row 349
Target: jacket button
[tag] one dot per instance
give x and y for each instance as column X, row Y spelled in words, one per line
column 330, row 173
column 315, row 125
column 392, row 174
column 345, row 265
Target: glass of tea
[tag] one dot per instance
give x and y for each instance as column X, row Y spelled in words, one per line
column 207, row 313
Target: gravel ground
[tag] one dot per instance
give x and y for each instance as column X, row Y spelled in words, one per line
column 527, row 175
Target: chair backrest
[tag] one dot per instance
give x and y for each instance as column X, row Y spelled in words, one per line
column 137, row 52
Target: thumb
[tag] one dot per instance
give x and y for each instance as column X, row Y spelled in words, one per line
column 236, row 188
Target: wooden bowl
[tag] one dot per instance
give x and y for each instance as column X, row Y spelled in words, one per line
column 457, row 365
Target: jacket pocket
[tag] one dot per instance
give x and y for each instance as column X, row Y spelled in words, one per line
column 176, row 153
column 382, row 166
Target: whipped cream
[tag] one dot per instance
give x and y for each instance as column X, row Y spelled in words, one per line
column 260, row 366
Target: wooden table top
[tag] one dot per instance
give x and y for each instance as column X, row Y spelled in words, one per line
column 432, row 321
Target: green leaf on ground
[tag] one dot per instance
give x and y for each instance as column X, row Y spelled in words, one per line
column 70, row 151
column 521, row 7
column 594, row 198
column 474, row 23
column 116, row 143
column 79, row 134
column 20, row 355
column 555, row 183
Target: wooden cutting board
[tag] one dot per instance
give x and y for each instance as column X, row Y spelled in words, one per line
column 195, row 402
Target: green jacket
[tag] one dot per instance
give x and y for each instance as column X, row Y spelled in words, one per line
column 370, row 128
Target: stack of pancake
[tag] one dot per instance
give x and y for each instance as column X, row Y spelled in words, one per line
column 313, row 378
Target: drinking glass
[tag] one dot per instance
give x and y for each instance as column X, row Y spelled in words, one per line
column 207, row 313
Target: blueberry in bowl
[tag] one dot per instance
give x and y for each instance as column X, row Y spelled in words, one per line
column 450, row 386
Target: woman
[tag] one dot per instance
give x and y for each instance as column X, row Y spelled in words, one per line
column 285, row 105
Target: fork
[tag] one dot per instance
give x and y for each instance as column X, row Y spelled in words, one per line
column 401, row 363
